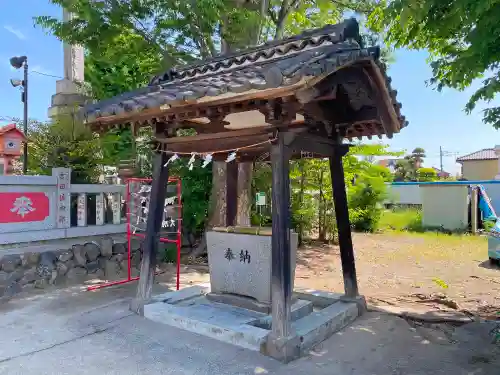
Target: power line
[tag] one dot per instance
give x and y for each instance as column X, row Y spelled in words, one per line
column 46, row 74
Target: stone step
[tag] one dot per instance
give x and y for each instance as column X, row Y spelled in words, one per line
column 217, row 323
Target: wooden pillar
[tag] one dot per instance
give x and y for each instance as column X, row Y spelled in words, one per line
column 474, row 212
column 153, row 227
column 231, row 193
column 343, row 224
column 281, row 272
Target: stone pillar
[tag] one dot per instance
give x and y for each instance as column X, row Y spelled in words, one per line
column 497, row 152
column 69, row 95
column 63, row 214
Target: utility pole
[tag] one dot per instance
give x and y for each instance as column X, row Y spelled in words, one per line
column 19, row 62
column 440, row 159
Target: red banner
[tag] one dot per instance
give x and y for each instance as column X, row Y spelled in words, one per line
column 23, row 207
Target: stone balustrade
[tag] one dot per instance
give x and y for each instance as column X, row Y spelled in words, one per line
column 38, row 208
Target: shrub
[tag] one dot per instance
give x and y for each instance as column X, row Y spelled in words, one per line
column 426, row 174
column 402, row 219
column 170, row 253
column 365, row 203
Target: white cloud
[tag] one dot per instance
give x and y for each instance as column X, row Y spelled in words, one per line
column 15, row 31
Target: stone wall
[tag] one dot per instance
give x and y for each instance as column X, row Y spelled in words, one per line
column 102, row 259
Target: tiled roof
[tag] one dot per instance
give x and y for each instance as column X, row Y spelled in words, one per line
column 312, row 54
column 484, row 154
column 10, row 127
column 7, row 128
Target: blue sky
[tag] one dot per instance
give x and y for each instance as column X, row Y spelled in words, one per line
column 436, row 119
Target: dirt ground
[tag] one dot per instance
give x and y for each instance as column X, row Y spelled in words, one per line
column 421, row 272
column 439, row 271
column 427, row 271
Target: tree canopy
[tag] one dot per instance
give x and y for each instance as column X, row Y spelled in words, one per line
column 461, row 37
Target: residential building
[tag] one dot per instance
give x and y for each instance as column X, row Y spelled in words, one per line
column 388, row 163
column 441, row 173
column 481, row 165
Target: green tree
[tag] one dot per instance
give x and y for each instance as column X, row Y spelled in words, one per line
column 461, row 37
column 426, row 174
column 127, row 39
column 417, row 157
column 63, row 143
column 406, row 169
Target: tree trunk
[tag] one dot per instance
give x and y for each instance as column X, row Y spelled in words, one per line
column 301, row 200
column 245, row 173
column 322, row 211
column 218, row 199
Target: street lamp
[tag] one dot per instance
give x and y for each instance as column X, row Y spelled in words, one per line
column 19, row 62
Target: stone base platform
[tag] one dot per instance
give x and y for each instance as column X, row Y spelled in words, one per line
column 316, row 316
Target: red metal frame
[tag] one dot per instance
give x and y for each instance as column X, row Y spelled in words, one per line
column 130, row 234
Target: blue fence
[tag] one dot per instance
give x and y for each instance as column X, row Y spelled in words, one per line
column 492, row 188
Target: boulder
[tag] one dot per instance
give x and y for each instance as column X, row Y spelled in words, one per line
column 92, row 251
column 106, row 246
column 100, row 274
column 124, row 265
column 118, row 257
column 135, row 244
column 46, row 264
column 119, row 248
column 136, row 259
column 79, row 255
column 48, row 259
column 65, row 256
column 53, row 277
column 9, row 263
column 29, row 260
column 29, row 276
column 62, row 268
column 41, row 283
column 8, row 278
column 112, row 270
column 4, row 278
column 92, row 267
column 76, row 274
column 10, row 291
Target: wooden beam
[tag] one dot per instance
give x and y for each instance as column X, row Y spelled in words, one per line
column 153, row 227
column 249, row 132
column 281, row 273
column 231, row 193
column 313, row 144
column 343, row 224
column 203, row 147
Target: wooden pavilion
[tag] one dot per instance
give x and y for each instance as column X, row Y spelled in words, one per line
column 304, row 93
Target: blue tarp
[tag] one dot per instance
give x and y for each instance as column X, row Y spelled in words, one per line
column 485, row 205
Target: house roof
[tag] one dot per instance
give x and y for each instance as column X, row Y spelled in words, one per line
column 388, row 162
column 484, row 154
column 283, row 68
column 9, row 128
column 440, row 171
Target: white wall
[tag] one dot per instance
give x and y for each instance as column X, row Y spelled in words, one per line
column 411, row 193
column 404, row 194
column 445, row 206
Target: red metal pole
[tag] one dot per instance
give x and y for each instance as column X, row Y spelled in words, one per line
column 179, row 232
column 140, row 235
column 129, row 261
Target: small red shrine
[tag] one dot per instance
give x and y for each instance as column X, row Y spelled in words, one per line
column 11, row 141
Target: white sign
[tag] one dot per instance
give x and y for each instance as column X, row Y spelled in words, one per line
column 260, row 198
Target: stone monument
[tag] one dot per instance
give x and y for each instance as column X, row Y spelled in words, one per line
column 239, row 260
column 69, row 94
